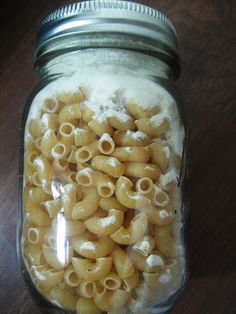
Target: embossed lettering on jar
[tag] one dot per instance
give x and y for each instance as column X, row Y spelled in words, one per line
column 102, row 200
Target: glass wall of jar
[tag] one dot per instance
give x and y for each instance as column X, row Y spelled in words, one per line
column 102, row 206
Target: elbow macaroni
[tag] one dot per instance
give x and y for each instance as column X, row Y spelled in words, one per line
column 90, row 270
column 87, row 206
column 109, row 180
column 147, row 126
column 105, row 226
column 100, row 247
column 133, row 233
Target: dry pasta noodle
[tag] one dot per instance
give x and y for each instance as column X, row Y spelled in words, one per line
column 100, row 232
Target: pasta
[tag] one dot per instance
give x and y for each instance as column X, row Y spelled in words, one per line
column 85, row 153
column 89, row 248
column 100, row 127
column 50, row 105
column 110, row 165
column 59, row 151
column 144, row 185
column 87, row 288
column 158, row 217
column 122, row 124
column 122, row 263
column 44, row 169
column 63, row 296
column 128, row 138
column 92, row 270
column 133, row 233
column 34, row 128
column 71, row 278
column 72, row 228
column 48, row 141
column 159, row 155
column 66, row 131
column 33, row 254
column 37, row 195
column 60, row 166
column 111, row 281
column 100, row 202
column 138, row 154
column 140, row 169
column 145, row 245
column 69, row 113
column 83, row 136
column 105, row 226
column 165, row 242
column 48, row 122
column 137, row 111
column 53, row 207
column 160, row 198
column 74, row 97
column 87, row 114
column 131, row 282
column 106, row 144
column 87, row 177
column 151, row 264
column 87, row 306
column 127, row 197
column 38, row 217
column 111, row 202
column 111, row 300
column 152, row 128
column 45, row 277
column 55, row 260
column 37, row 235
column 87, row 206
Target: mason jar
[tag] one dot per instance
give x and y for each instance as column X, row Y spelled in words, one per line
column 102, row 200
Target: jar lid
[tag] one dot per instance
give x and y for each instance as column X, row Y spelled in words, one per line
column 107, row 16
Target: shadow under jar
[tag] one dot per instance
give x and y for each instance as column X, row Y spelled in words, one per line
column 103, row 163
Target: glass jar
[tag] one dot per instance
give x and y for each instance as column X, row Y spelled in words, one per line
column 103, row 163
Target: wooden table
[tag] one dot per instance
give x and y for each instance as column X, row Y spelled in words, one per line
column 207, row 44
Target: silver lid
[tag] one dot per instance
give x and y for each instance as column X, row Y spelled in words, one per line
column 107, row 16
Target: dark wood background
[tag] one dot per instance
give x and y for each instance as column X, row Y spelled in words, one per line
column 206, row 31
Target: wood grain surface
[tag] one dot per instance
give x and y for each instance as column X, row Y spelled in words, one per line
column 206, row 31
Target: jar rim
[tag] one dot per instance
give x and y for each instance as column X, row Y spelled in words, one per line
column 107, row 16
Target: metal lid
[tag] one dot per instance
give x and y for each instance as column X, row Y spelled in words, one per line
column 107, row 16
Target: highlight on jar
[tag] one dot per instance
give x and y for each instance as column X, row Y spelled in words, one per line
column 102, row 205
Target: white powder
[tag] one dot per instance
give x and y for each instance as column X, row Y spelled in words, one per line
column 79, row 131
column 159, row 118
column 154, row 260
column 110, row 91
column 105, row 137
column 45, row 119
column 110, row 220
column 88, row 246
column 167, row 151
column 145, row 245
column 164, row 214
column 170, row 176
column 139, row 135
column 164, row 278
